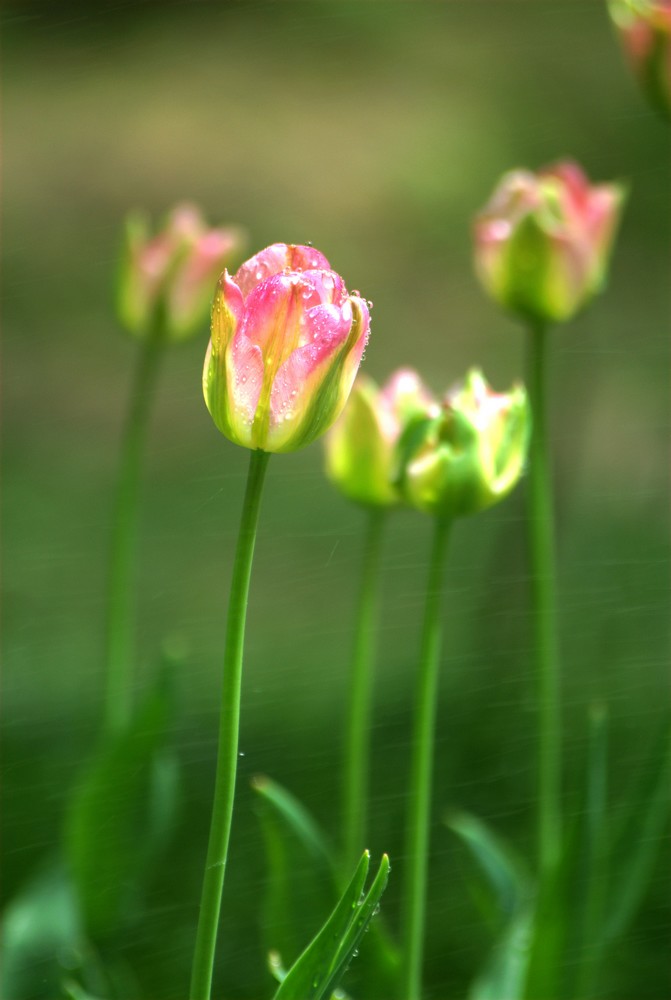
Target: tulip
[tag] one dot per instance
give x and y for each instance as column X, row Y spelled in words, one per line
column 167, row 279
column 286, row 343
column 543, row 241
column 470, row 454
column 361, row 446
column 645, row 30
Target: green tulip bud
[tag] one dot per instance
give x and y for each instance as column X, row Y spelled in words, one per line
column 468, row 456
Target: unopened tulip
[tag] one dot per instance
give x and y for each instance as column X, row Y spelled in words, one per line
column 286, row 343
column 470, row 454
column 645, row 29
column 543, row 242
column 167, row 279
column 361, row 446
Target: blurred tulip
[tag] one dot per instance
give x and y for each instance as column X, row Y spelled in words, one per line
column 361, row 447
column 645, row 29
column 286, row 343
column 168, row 278
column 543, row 241
column 470, row 454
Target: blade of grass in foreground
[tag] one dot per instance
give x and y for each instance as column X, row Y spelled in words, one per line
column 318, row 971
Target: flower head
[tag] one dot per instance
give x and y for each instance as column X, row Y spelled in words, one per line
column 361, row 447
column 168, row 278
column 645, row 30
column 543, row 241
column 468, row 455
column 286, row 343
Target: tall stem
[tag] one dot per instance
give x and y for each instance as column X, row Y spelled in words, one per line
column 121, row 592
column 419, row 813
column 357, row 748
column 541, row 543
column 229, row 723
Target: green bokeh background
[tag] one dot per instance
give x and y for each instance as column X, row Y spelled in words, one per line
column 374, row 130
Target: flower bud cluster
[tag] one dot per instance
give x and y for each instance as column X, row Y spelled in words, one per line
column 448, row 459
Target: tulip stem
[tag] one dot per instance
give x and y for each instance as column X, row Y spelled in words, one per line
column 121, row 592
column 543, row 574
column 229, row 723
column 357, row 748
column 419, row 811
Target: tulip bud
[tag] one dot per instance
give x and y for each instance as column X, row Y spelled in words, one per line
column 543, row 241
column 645, row 31
column 470, row 454
column 286, row 343
column 361, row 446
column 168, row 279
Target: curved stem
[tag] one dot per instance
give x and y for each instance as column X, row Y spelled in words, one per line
column 229, row 722
column 357, row 748
column 121, row 592
column 541, row 544
column 419, row 813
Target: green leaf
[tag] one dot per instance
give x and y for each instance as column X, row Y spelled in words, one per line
column 73, row 991
column 503, row 869
column 116, row 817
column 297, row 819
column 505, row 972
column 304, row 879
column 302, row 883
column 41, row 936
column 637, row 850
column 591, row 878
column 318, row 971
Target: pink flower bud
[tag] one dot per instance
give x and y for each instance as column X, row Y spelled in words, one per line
column 645, row 31
column 168, row 279
column 361, row 446
column 286, row 343
column 543, row 241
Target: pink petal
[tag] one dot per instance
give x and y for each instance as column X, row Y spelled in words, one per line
column 244, row 375
column 274, row 260
column 271, row 317
column 201, row 269
column 297, row 379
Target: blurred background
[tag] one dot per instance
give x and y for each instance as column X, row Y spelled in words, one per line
column 374, row 130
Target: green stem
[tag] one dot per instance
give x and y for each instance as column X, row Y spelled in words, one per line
column 541, row 543
column 121, row 592
column 357, row 749
column 419, row 811
column 229, row 723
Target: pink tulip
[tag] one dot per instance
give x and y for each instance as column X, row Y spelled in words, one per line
column 167, row 279
column 645, row 31
column 543, row 241
column 286, row 343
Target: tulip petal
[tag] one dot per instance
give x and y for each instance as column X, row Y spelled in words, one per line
column 228, row 310
column 244, row 379
column 311, row 388
column 274, row 260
